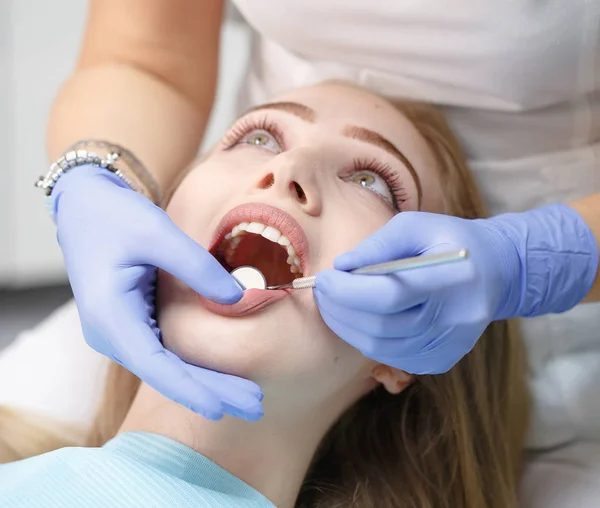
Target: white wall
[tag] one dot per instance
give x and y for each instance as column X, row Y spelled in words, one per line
column 5, row 141
column 45, row 37
column 38, row 47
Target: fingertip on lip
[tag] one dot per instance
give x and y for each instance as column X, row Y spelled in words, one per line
column 229, row 301
column 229, row 298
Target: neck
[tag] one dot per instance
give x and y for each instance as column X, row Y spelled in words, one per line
column 271, row 455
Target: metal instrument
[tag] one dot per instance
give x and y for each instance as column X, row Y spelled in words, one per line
column 399, row 265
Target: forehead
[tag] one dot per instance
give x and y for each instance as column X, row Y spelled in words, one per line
column 339, row 104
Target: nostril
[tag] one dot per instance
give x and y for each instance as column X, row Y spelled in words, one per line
column 299, row 192
column 267, row 181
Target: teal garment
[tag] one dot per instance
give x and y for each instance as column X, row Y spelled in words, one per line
column 134, row 470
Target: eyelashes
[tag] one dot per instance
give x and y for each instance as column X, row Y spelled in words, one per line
column 246, row 125
column 392, row 178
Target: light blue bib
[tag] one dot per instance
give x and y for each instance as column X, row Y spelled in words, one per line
column 133, row 470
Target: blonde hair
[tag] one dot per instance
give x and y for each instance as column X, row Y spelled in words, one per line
column 450, row 440
column 23, row 434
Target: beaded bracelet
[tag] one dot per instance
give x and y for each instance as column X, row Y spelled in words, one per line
column 104, row 155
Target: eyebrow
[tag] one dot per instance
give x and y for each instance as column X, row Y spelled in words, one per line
column 300, row 110
column 359, row 133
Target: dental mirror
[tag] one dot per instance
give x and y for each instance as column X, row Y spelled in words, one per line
column 249, row 277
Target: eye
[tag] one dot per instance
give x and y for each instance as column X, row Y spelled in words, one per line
column 262, row 139
column 260, row 132
column 379, row 178
column 372, row 181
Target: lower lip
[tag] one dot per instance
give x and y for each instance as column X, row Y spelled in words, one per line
column 252, row 301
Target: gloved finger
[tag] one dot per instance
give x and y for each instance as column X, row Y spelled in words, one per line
column 358, row 340
column 372, row 345
column 144, row 355
column 237, row 396
column 369, row 345
column 175, row 252
column 408, row 323
column 210, row 377
column 379, row 294
column 240, row 398
column 404, row 289
column 437, row 352
column 395, row 240
column 432, row 280
column 412, row 360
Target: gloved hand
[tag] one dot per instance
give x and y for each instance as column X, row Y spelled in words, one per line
column 112, row 239
column 424, row 321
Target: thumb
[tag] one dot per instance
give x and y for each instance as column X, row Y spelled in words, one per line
column 182, row 257
column 395, row 240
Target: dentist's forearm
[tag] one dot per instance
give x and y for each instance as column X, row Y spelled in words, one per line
column 589, row 209
column 129, row 107
column 145, row 80
column 551, row 264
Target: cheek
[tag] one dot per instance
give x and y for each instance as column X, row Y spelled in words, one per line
column 433, row 197
column 342, row 374
column 345, row 228
column 198, row 204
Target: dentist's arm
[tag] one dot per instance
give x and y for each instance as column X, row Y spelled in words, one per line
column 589, row 209
column 145, row 80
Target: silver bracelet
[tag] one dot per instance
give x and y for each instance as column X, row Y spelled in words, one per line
column 114, row 158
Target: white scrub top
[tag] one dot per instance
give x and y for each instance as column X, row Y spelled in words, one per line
column 519, row 81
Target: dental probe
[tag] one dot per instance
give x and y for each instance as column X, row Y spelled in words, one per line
column 399, row 265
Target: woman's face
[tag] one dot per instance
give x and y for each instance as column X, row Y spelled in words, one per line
column 321, row 168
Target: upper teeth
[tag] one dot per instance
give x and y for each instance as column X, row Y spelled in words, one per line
column 267, row 232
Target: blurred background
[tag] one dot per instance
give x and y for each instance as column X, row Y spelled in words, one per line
column 39, row 44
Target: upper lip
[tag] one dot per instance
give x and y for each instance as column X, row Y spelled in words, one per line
column 269, row 216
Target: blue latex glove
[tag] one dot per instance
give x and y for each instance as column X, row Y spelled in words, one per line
column 112, row 239
column 424, row 321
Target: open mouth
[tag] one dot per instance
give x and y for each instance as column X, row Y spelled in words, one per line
column 261, row 241
column 263, row 247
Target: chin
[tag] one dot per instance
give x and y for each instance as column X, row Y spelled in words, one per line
column 286, row 341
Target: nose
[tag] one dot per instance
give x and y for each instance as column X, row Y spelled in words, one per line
column 293, row 175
